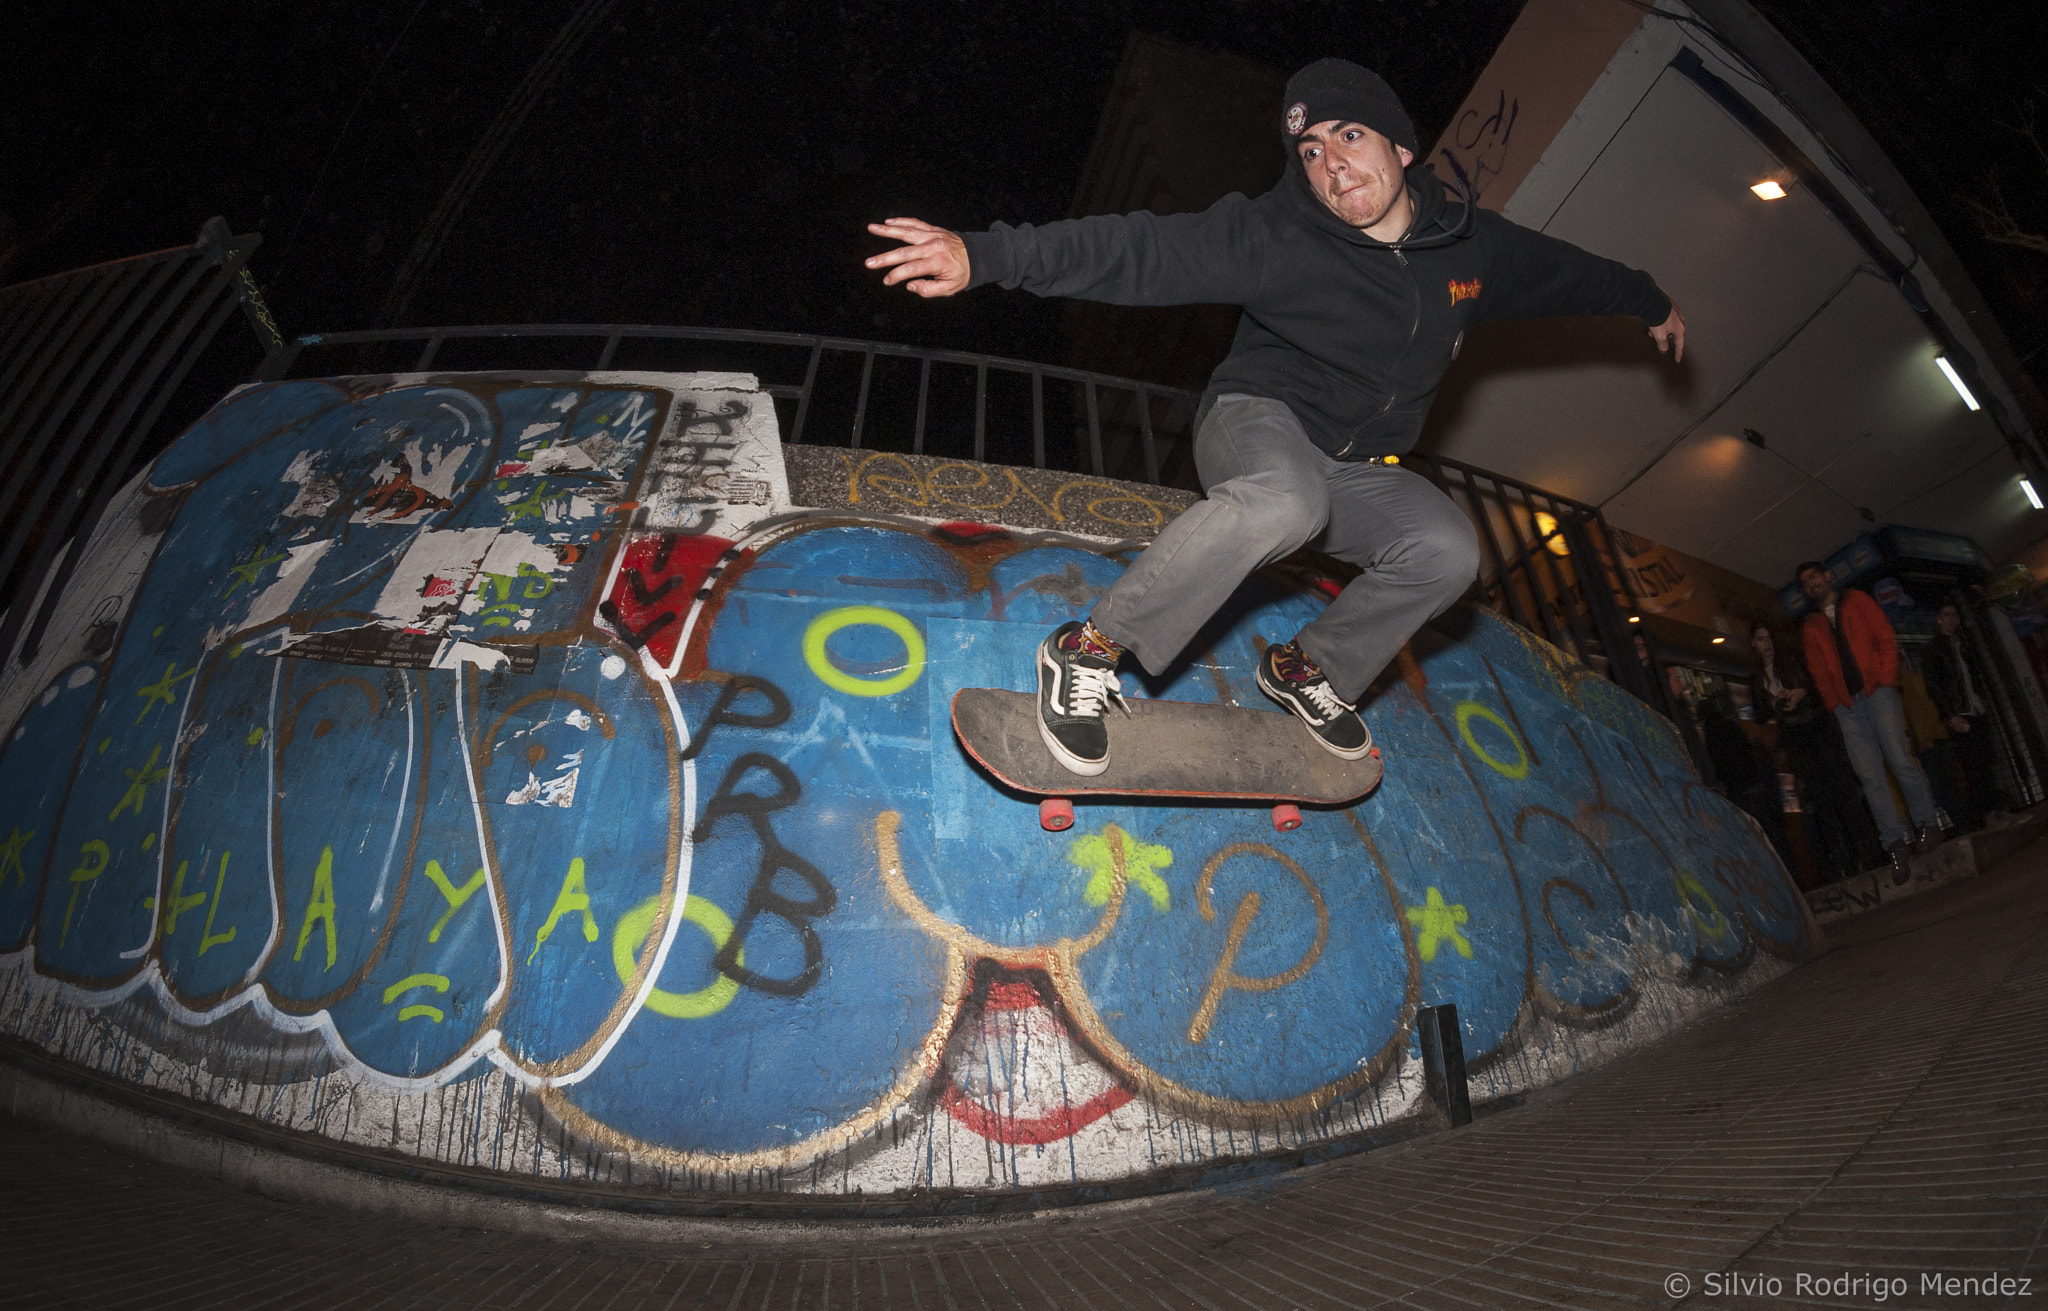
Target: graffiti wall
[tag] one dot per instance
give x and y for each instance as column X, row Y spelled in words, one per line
column 533, row 774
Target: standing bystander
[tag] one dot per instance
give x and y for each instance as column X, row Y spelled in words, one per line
column 1783, row 693
column 1854, row 658
column 1956, row 693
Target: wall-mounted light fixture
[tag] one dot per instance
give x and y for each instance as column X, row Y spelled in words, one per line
column 1770, row 189
column 1546, row 529
column 1717, row 641
column 1753, row 437
column 2033, row 497
column 1955, row 380
column 1635, row 619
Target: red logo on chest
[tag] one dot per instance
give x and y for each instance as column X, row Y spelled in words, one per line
column 1464, row 290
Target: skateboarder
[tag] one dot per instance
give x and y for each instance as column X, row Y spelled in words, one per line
column 1358, row 278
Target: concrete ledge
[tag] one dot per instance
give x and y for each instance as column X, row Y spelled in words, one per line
column 257, row 1158
column 1958, row 858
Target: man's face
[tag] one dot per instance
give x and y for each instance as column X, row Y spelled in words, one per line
column 1948, row 619
column 1354, row 170
column 1814, row 582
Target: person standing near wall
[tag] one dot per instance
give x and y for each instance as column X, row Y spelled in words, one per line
column 1743, row 769
column 1783, row 694
column 1957, row 695
column 1854, row 658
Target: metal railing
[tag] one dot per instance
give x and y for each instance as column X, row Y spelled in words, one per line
column 1117, row 425
column 88, row 361
column 1556, row 570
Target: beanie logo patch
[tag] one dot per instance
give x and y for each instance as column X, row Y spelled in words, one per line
column 1297, row 118
column 1464, row 290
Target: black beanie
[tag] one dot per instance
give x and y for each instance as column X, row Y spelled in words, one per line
column 1341, row 90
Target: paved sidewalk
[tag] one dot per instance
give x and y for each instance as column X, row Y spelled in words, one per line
column 1881, row 1113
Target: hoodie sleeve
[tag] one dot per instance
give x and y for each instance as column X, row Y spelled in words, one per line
column 1533, row 276
column 1214, row 257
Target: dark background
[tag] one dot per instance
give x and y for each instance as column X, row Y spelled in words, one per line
column 452, row 161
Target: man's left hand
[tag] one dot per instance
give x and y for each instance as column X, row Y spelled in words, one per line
column 1670, row 334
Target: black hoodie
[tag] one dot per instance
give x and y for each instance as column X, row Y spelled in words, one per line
column 1351, row 333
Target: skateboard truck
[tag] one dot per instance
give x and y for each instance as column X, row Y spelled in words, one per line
column 1056, row 815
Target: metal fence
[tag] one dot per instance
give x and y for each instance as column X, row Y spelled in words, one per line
column 838, row 391
column 1553, row 566
column 88, row 361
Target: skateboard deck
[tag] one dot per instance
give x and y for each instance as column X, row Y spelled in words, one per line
column 1164, row 749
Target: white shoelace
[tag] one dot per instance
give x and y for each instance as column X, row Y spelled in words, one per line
column 1089, row 689
column 1326, row 701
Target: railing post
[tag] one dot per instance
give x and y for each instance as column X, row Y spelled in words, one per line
column 1094, row 433
column 427, row 354
column 1145, row 436
column 1558, row 579
column 278, row 353
column 803, row 401
column 980, row 411
column 1659, row 698
column 1500, row 564
column 860, row 406
column 1521, row 564
column 924, row 390
column 1037, row 419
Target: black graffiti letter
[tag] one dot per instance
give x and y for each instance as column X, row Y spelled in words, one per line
column 762, row 898
column 722, row 713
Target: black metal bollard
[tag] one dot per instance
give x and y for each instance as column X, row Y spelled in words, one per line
column 1443, row 1061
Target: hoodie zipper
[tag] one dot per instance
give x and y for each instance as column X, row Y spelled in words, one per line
column 1414, row 327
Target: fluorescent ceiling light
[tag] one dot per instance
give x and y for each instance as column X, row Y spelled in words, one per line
column 2033, row 497
column 1955, row 380
column 1769, row 189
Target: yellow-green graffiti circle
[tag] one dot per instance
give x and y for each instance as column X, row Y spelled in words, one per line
column 717, row 925
column 1470, row 710
column 1689, row 888
column 851, row 616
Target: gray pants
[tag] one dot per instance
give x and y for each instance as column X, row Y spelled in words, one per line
column 1270, row 492
column 1874, row 730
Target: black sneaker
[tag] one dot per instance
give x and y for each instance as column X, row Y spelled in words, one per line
column 1075, row 687
column 1292, row 679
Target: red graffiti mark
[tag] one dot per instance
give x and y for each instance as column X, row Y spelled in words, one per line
column 963, row 531
column 1064, row 1122
column 437, row 586
column 1063, row 1119
column 661, row 576
column 1012, row 996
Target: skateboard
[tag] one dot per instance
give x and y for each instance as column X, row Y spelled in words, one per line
column 1164, row 749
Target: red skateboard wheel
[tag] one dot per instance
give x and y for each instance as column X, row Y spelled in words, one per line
column 1286, row 817
column 1056, row 814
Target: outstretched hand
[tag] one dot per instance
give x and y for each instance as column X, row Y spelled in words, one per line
column 1670, row 334
column 932, row 261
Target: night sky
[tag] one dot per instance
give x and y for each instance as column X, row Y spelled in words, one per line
column 713, row 163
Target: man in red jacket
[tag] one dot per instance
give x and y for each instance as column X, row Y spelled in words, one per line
column 1854, row 659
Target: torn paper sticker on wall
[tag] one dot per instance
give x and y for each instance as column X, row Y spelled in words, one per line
column 719, row 461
